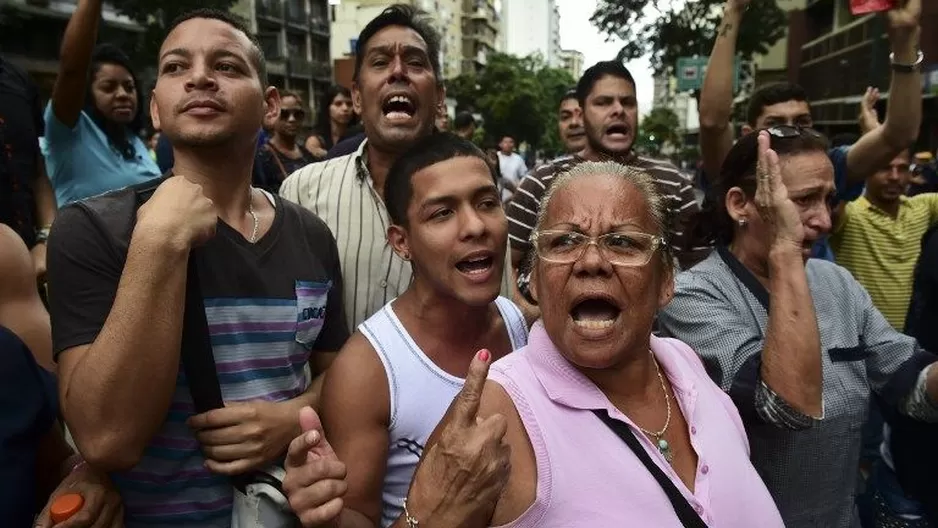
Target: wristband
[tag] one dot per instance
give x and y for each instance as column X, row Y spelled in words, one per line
column 907, row 68
column 42, row 235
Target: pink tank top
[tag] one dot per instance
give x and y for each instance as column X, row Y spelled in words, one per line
column 587, row 476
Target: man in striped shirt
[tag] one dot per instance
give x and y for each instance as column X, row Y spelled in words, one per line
column 610, row 115
column 878, row 237
column 397, row 89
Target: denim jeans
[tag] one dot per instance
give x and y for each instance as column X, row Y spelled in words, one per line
column 890, row 507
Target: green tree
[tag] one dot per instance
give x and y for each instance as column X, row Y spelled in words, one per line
column 517, row 96
column 659, row 128
column 682, row 28
column 155, row 16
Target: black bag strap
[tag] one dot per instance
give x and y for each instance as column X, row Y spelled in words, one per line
column 197, row 358
column 688, row 516
column 198, row 361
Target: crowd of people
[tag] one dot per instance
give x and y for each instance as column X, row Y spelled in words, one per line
column 380, row 323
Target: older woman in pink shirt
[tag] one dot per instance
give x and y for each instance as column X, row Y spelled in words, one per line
column 593, row 380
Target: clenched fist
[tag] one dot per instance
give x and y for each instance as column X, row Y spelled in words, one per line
column 180, row 213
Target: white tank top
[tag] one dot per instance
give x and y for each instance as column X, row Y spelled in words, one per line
column 420, row 394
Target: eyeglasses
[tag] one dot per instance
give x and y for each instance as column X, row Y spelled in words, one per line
column 285, row 114
column 791, row 131
column 627, row 249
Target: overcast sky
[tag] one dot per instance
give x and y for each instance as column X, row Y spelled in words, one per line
column 577, row 33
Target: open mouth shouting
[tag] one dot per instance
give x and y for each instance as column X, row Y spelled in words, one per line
column 618, row 132
column 399, row 107
column 595, row 313
column 477, row 266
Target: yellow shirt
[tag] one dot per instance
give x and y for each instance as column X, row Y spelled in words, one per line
column 881, row 251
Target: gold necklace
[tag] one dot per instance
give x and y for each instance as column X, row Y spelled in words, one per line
column 663, row 446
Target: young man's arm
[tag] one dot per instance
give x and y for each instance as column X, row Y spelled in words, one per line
column 716, row 95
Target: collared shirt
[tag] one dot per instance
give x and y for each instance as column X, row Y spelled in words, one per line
column 587, row 476
column 523, row 207
column 881, row 251
column 341, row 192
column 721, row 310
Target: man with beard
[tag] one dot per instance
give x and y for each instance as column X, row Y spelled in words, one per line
column 606, row 94
column 270, row 281
column 397, row 89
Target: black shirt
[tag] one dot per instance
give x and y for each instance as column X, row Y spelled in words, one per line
column 21, row 125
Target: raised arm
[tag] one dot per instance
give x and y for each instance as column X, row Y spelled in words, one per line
column 68, row 95
column 900, row 129
column 716, row 96
column 118, row 328
column 791, row 358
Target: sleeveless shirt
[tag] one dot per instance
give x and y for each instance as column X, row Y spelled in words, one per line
column 420, row 394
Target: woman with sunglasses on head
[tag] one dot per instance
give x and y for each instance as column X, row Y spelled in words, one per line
column 795, row 341
column 282, row 154
column 606, row 424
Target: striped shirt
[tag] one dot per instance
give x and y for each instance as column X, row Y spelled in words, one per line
column 881, row 251
column 523, row 207
column 269, row 307
column 342, row 193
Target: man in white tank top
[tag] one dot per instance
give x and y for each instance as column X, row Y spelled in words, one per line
column 396, row 376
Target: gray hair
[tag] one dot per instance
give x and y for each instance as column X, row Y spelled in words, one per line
column 657, row 204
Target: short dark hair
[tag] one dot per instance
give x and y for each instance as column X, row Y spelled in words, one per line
column 571, row 94
column 463, row 121
column 594, row 73
column 257, row 53
column 406, row 16
column 435, row 148
column 739, row 170
column 771, row 94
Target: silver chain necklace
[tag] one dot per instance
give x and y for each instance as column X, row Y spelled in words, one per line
column 663, row 446
column 257, row 223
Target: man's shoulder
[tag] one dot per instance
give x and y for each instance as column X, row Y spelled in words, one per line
column 659, row 168
column 556, row 166
column 308, row 221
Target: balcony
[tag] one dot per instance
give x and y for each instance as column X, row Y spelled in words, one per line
column 295, row 14
column 300, row 67
column 319, row 26
column 322, row 70
column 270, row 9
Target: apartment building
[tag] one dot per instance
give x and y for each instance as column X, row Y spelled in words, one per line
column 836, row 55
column 480, row 27
column 31, row 34
column 531, row 26
column 572, row 61
column 294, row 35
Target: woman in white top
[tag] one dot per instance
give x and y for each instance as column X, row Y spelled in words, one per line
column 395, row 378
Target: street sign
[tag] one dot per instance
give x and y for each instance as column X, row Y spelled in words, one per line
column 690, row 73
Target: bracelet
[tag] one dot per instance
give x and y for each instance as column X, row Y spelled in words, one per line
column 78, row 465
column 907, row 68
column 409, row 520
column 42, row 235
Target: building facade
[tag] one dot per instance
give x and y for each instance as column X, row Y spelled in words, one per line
column 295, row 37
column 531, row 27
column 835, row 56
column 480, row 27
column 572, row 61
column 31, row 34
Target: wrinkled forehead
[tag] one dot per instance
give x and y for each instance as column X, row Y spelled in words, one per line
column 806, row 172
column 395, row 40
column 598, row 202
column 569, row 105
column 204, row 36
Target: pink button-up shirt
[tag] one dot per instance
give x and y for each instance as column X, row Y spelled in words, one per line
column 587, row 476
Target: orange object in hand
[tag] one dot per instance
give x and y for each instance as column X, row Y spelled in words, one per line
column 65, row 506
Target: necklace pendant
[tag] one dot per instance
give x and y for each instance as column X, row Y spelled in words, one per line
column 665, row 448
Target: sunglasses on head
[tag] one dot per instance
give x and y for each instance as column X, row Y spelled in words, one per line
column 791, row 131
column 297, row 114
